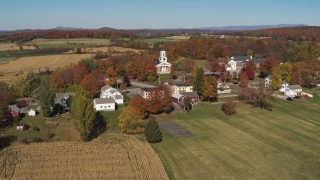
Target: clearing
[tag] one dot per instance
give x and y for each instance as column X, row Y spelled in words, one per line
column 36, row 63
column 254, row 144
column 114, row 157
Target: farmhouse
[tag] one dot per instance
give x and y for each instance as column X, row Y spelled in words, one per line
column 14, row 110
column 178, row 100
column 110, row 92
column 104, row 104
column 163, row 67
column 147, row 93
column 179, row 87
column 236, row 63
column 61, row 98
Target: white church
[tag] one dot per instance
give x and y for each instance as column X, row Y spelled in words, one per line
column 163, row 67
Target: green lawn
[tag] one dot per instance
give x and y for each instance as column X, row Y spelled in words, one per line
column 254, row 144
column 69, row 43
column 61, row 129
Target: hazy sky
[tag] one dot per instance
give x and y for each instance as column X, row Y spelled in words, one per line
column 129, row 14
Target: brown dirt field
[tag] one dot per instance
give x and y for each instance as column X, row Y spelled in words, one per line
column 13, row 46
column 34, row 63
column 179, row 37
column 115, row 157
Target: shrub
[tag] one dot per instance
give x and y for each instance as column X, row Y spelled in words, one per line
column 152, row 131
column 229, row 108
column 35, row 128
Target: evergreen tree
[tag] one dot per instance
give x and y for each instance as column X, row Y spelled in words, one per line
column 152, row 131
column 84, row 114
column 199, row 82
column 46, row 98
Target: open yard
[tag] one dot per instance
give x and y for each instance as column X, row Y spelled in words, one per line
column 254, row 144
column 68, row 43
column 34, row 63
column 113, row 157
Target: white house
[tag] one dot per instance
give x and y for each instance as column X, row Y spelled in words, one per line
column 293, row 90
column 32, row 112
column 104, row 104
column 163, row 66
column 110, row 92
column 232, row 65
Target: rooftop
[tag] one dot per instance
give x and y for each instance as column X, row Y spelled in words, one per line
column 103, row 100
column 294, row 87
column 190, row 94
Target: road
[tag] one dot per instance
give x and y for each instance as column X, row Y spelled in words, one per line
column 135, row 91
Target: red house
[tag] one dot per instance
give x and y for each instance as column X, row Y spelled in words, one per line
column 179, row 98
column 14, row 110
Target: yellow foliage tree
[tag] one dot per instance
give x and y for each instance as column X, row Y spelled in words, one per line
column 280, row 74
column 131, row 121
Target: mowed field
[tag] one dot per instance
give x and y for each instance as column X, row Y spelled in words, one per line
column 13, row 46
column 255, row 144
column 68, row 43
column 34, row 63
column 114, row 157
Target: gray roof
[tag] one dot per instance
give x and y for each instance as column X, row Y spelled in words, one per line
column 103, row 100
column 118, row 97
column 14, row 107
column 105, row 87
column 60, row 96
column 190, row 94
column 244, row 58
column 177, row 95
column 294, row 87
column 183, row 85
column 113, row 91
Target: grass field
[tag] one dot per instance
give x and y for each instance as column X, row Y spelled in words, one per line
column 113, row 157
column 34, row 63
column 115, row 49
column 68, row 43
column 56, row 129
column 255, row 144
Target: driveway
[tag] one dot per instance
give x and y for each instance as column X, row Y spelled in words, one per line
column 140, row 84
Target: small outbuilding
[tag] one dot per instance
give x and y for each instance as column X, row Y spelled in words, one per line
column 32, row 112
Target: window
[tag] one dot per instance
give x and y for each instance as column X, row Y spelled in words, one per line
column 108, row 106
column 101, row 107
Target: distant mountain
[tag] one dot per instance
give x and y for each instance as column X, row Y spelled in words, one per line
column 239, row 28
column 66, row 28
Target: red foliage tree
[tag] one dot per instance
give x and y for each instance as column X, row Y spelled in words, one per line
column 250, row 70
column 92, row 82
column 266, row 66
column 79, row 72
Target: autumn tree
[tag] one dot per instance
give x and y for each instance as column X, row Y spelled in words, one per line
column 210, row 89
column 296, row 73
column 311, row 72
column 152, row 131
column 112, row 76
column 266, row 66
column 46, row 98
column 125, row 82
column 80, row 70
column 92, row 82
column 24, row 85
column 281, row 73
column 213, row 64
column 160, row 101
column 140, row 103
column 131, row 121
column 6, row 98
column 244, row 82
column 250, row 70
column 199, row 82
column 83, row 114
column 229, row 108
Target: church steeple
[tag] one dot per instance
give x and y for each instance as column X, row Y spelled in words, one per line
column 163, row 57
